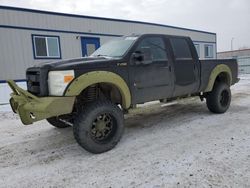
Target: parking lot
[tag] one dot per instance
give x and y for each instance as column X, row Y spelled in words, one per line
column 176, row 145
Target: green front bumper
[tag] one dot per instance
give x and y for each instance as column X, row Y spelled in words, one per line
column 32, row 108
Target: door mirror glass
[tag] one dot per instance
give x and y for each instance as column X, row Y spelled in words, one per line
column 137, row 56
column 144, row 56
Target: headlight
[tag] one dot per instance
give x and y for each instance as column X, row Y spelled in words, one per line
column 58, row 81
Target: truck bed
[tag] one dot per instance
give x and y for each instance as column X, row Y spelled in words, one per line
column 208, row 65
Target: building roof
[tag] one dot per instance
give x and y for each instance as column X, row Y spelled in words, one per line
column 98, row 18
column 234, row 53
column 230, row 51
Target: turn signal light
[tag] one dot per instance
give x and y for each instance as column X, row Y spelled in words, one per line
column 68, row 78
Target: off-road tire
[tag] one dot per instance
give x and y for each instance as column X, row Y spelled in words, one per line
column 219, row 99
column 54, row 121
column 85, row 131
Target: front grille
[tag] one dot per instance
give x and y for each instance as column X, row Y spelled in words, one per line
column 37, row 81
column 33, row 81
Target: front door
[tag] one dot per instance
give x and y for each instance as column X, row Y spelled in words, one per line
column 151, row 81
column 89, row 45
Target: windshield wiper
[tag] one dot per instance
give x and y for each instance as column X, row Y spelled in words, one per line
column 101, row 55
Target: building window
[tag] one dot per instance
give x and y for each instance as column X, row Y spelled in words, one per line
column 197, row 47
column 46, row 47
column 209, row 51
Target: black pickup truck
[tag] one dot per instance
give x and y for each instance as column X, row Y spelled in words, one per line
column 92, row 93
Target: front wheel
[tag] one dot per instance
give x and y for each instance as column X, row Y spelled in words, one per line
column 99, row 126
column 219, row 99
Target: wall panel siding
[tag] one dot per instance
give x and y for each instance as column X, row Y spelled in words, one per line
column 46, row 21
column 6, row 91
column 16, row 50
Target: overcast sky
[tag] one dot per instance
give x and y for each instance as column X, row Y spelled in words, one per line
column 228, row 18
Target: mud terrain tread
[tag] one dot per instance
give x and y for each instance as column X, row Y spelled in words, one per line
column 83, row 122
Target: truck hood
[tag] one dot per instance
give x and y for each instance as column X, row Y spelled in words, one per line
column 78, row 63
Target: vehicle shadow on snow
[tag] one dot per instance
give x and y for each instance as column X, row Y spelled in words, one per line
column 55, row 144
column 148, row 117
column 48, row 144
column 145, row 117
column 182, row 112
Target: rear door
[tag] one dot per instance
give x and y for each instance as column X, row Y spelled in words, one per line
column 186, row 66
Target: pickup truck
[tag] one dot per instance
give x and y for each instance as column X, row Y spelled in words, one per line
column 93, row 93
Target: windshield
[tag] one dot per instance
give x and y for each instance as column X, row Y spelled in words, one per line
column 115, row 48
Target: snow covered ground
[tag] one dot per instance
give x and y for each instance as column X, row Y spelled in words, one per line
column 182, row 145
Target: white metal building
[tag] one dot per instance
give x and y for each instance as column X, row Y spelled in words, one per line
column 28, row 37
column 242, row 56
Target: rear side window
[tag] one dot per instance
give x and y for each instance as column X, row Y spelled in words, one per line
column 181, row 48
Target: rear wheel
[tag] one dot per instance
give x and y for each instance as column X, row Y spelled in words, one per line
column 57, row 122
column 99, row 126
column 219, row 99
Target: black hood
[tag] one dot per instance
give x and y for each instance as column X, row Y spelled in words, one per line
column 78, row 63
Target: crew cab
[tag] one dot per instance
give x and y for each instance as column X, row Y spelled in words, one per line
column 93, row 93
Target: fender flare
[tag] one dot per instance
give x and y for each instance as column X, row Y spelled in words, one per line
column 215, row 72
column 82, row 82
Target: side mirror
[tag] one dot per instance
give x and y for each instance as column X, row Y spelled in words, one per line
column 138, row 56
column 143, row 57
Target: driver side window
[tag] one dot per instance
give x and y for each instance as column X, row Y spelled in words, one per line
column 155, row 45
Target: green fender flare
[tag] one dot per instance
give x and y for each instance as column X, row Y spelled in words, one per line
column 216, row 71
column 82, row 82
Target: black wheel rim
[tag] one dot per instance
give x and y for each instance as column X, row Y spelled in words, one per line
column 103, row 127
column 224, row 98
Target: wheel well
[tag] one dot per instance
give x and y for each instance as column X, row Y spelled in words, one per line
column 223, row 77
column 105, row 91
